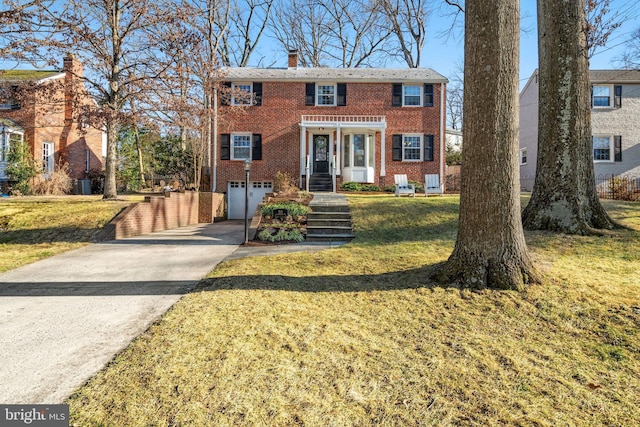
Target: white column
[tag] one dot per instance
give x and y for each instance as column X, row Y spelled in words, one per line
column 303, row 153
column 338, row 149
column 383, row 155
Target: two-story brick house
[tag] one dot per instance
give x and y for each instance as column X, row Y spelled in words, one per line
column 327, row 125
column 46, row 117
column 615, row 125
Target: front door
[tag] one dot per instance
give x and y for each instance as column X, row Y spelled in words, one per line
column 321, row 154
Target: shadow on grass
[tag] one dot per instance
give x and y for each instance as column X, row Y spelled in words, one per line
column 400, row 280
column 49, row 235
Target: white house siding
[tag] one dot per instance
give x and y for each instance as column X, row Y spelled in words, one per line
column 622, row 121
column 529, row 131
column 625, row 122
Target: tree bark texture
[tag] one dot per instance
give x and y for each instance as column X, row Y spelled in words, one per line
column 564, row 195
column 111, row 162
column 490, row 249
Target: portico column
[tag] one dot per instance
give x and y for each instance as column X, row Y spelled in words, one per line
column 303, row 153
column 338, row 151
column 383, row 154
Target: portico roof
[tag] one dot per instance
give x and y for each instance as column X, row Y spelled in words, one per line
column 343, row 121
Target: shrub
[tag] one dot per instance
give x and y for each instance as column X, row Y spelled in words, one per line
column 419, row 186
column 293, row 209
column 285, row 184
column 21, row 167
column 280, row 235
column 350, row 186
column 390, row 188
column 622, row 188
column 57, row 184
column 369, row 187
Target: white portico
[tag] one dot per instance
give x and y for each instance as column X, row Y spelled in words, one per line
column 341, row 145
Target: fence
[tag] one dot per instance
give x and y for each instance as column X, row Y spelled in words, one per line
column 625, row 187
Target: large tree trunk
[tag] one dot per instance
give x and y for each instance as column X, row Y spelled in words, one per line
column 564, row 194
column 490, row 249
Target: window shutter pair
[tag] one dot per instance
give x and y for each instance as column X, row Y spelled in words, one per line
column 225, row 97
column 310, row 94
column 225, row 146
column 396, row 147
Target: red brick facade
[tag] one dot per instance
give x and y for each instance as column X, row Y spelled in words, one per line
column 278, row 121
column 48, row 115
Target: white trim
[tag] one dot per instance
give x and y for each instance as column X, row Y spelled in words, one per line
column 232, row 145
column 443, row 131
column 523, row 150
column 611, row 148
column 335, row 94
column 421, row 146
column 611, row 97
column 249, row 102
column 420, row 89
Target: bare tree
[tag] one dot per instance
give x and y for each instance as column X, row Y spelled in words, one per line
column 248, row 20
column 23, row 32
column 490, row 249
column 601, row 23
column 564, row 195
column 111, row 39
column 339, row 33
column 408, row 21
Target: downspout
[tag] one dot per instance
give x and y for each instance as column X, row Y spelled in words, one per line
column 442, row 134
column 214, row 157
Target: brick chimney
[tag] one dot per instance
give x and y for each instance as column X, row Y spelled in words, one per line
column 72, row 65
column 293, row 59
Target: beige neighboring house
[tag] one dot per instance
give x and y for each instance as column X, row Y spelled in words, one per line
column 615, row 125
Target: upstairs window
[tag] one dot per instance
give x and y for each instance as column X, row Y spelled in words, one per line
column 325, row 94
column 241, row 94
column 240, row 146
column 411, row 96
column 606, row 96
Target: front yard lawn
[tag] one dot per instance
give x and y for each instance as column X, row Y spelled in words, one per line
column 358, row 336
column 32, row 228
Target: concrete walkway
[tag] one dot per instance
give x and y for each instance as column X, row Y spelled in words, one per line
column 63, row 319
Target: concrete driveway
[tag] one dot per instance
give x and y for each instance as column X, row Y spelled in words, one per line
column 63, row 318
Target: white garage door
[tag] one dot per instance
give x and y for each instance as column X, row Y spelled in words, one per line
column 236, row 196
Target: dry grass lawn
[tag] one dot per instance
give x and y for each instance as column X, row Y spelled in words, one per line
column 33, row 228
column 358, row 336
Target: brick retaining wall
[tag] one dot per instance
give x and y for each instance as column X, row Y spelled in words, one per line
column 158, row 213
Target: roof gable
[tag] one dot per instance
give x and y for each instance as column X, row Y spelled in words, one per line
column 24, row 75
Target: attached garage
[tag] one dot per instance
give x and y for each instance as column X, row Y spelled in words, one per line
column 236, row 196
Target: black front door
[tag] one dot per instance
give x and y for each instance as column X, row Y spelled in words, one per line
column 320, row 153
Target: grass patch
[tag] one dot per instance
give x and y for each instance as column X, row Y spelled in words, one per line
column 358, row 336
column 33, row 228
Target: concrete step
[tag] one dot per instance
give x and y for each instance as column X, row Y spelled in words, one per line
column 329, row 222
column 317, row 216
column 344, row 237
column 311, row 229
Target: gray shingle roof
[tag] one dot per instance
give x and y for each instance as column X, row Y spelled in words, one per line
column 614, row 76
column 355, row 75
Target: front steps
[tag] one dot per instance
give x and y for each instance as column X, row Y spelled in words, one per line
column 329, row 219
column 320, row 183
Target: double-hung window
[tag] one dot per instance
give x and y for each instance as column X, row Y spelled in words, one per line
column 241, row 146
column 602, row 96
column 412, row 148
column 241, row 94
column 412, row 95
column 326, row 94
column 607, row 148
column 523, row 156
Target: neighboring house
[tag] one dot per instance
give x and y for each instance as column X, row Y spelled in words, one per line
column 327, row 126
column 44, row 116
column 454, row 139
column 615, row 125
